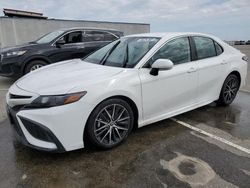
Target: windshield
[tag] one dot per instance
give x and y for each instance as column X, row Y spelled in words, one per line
column 125, row 52
column 49, row 37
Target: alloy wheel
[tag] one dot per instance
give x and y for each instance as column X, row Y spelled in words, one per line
column 112, row 124
column 231, row 89
column 37, row 66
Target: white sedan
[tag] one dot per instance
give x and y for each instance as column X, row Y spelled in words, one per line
column 131, row 82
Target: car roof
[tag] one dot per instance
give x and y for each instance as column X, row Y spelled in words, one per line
column 169, row 34
column 88, row 28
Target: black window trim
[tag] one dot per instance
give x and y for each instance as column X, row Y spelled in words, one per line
column 83, row 32
column 174, row 38
column 104, row 32
column 194, row 45
column 216, row 49
column 192, row 49
column 65, row 33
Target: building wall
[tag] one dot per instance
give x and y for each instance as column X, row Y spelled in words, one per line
column 15, row 31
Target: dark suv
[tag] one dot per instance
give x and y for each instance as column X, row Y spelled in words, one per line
column 53, row 47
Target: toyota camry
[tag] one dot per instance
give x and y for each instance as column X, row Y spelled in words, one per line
column 129, row 83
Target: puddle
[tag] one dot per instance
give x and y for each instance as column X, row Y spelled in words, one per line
column 189, row 169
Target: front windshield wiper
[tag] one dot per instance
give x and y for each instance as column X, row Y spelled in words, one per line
column 103, row 60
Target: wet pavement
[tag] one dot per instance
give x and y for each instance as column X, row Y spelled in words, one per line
column 164, row 154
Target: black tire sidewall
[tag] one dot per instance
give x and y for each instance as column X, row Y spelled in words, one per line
column 91, row 120
column 222, row 100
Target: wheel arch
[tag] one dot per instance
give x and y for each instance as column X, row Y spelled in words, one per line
column 133, row 106
column 123, row 97
column 34, row 58
column 236, row 73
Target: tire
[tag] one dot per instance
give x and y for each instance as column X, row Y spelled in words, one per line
column 33, row 65
column 107, row 128
column 229, row 90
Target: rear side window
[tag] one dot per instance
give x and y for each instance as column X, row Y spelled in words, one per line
column 205, row 47
column 90, row 36
column 177, row 50
column 218, row 48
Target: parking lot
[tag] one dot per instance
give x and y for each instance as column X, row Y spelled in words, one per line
column 207, row 147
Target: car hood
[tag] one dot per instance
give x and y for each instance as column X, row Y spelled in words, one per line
column 20, row 47
column 62, row 77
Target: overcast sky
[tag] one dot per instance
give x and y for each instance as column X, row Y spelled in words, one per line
column 228, row 19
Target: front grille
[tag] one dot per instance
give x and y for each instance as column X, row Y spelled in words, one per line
column 13, row 96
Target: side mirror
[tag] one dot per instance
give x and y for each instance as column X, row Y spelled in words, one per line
column 60, row 42
column 161, row 64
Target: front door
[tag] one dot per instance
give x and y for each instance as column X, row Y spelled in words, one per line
column 73, row 47
column 171, row 90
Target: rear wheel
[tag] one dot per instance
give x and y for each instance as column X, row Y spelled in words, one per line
column 110, row 123
column 33, row 65
column 229, row 90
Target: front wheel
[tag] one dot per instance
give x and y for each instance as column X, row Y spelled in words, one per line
column 110, row 123
column 229, row 90
column 33, row 65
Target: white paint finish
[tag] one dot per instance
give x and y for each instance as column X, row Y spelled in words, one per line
column 169, row 93
column 163, row 64
column 212, row 136
column 211, row 77
column 61, row 77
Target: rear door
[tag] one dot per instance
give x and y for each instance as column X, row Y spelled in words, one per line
column 211, row 67
column 93, row 40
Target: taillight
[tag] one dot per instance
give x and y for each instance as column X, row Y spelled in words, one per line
column 245, row 58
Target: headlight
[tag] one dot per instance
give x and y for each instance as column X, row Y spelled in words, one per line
column 56, row 100
column 15, row 53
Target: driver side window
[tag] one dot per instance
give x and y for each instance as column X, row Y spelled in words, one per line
column 177, row 50
column 73, row 37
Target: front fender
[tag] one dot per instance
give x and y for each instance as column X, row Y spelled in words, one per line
column 34, row 57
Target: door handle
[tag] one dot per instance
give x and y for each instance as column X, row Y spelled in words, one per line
column 192, row 69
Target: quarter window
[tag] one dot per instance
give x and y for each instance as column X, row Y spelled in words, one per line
column 218, row 48
column 205, row 47
column 177, row 50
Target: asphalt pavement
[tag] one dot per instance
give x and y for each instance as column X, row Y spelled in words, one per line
column 206, row 147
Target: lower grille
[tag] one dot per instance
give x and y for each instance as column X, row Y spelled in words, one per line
column 38, row 131
column 13, row 96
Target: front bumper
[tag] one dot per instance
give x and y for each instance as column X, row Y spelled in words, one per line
column 54, row 129
column 10, row 67
column 48, row 141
